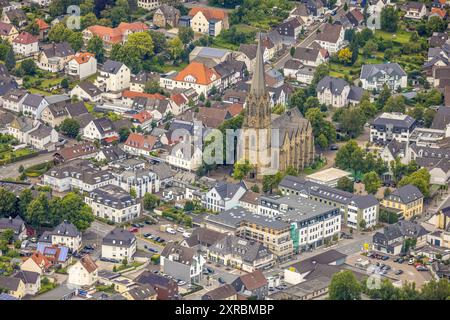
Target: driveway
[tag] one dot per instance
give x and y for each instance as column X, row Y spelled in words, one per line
column 12, row 170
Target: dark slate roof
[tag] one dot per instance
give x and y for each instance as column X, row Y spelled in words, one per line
column 184, row 255
column 142, row 292
column 121, row 237
column 249, row 50
column 15, row 224
column 33, row 100
column 327, row 257
column 10, row 283
column 249, row 251
column 61, row 49
column 103, row 125
column 90, row 88
column 27, row 276
column 226, row 190
column 155, row 280
column 112, row 66
column 221, row 293
column 384, row 119
column 308, row 54
column 335, row 85
column 364, row 202
column 76, row 109
column 369, row 71
column 6, row 84
column 355, row 93
column 67, row 229
column 204, row 237
column 112, row 196
column 403, row 228
column 292, row 64
column 441, row 119
column 407, row 194
column 395, row 147
column 330, row 33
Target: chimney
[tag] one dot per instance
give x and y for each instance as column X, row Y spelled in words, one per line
column 10, row 219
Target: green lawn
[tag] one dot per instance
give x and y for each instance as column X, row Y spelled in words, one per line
column 400, row 36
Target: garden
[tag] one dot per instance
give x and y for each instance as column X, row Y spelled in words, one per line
column 8, row 152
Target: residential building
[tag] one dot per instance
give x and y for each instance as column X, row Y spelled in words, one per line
column 415, row 10
column 166, row 16
column 82, row 65
column 241, row 254
column 110, row 153
column 166, row 289
column 86, row 91
column 272, row 233
column 37, row 262
column 139, row 144
column 196, row 75
column 142, row 181
column 16, row 224
column 13, row 100
column 100, row 129
column 13, row 286
column 182, row 263
column 8, row 32
column 252, row 284
column 201, row 239
column 113, row 203
column 65, row 234
column 313, row 224
column 407, row 199
column 323, row 194
column 390, row 126
column 336, row 92
column 31, row 280
column 224, row 292
column 298, row 272
column 331, row 38
column 57, row 255
column 143, row 120
column 141, row 292
column 185, row 156
column 33, row 104
column 140, row 80
column 54, row 114
column 119, row 244
column 15, row 16
column 25, row 44
column 290, row 30
column 54, row 57
column 392, row 239
column 111, row 36
column 114, row 77
column 223, row 196
column 44, row 28
column 83, row 150
column 375, row 76
column 250, row 201
column 148, row 4
column 210, row 21
column 363, row 212
column 83, row 273
column 77, row 174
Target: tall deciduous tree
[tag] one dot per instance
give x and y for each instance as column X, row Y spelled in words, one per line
column 344, row 286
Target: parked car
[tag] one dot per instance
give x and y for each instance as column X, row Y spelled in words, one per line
column 134, row 230
column 411, row 261
column 221, row 281
column 171, row 231
column 398, row 272
column 181, row 282
column 136, row 225
column 334, row 147
column 384, row 258
column 181, row 229
column 146, row 235
column 421, row 268
column 186, row 234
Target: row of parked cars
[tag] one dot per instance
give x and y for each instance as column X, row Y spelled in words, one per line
column 154, row 238
column 377, row 256
column 179, row 282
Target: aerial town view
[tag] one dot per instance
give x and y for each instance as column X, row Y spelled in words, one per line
column 232, row 150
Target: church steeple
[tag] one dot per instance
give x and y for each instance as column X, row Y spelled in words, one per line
column 258, row 86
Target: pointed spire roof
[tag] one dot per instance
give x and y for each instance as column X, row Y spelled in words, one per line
column 258, row 86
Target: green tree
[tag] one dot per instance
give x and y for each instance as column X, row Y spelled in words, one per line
column 59, row 33
column 10, row 60
column 65, row 83
column 372, row 182
column 28, row 67
column 255, row 188
column 242, row 169
column 420, row 179
column 25, row 198
column 76, row 41
column 70, row 127
column 38, row 211
column 436, row 290
column 344, row 286
column 7, row 203
column 345, row 184
column 189, row 206
column 186, row 34
column 389, row 19
column 175, row 48
column 321, row 126
column 89, row 19
column 159, row 41
column 123, row 134
column 150, row 201
column 7, row 236
column 95, row 46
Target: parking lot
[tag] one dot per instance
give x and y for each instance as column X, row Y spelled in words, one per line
column 409, row 274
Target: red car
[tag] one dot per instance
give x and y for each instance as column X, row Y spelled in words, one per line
column 134, row 230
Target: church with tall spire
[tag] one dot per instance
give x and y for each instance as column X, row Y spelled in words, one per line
column 273, row 142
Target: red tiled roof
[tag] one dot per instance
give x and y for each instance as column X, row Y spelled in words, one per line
column 178, row 98
column 235, row 109
column 134, row 94
column 116, row 34
column 254, row 280
column 42, row 24
column 88, row 263
column 441, row 12
column 209, row 13
column 202, row 74
column 83, row 57
column 25, row 38
column 143, row 116
column 111, row 139
column 139, row 141
column 42, row 261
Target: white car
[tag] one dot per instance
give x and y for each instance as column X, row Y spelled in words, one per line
column 171, row 231
column 181, row 230
column 186, row 234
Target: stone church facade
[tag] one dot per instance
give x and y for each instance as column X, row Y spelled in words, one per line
column 285, row 140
